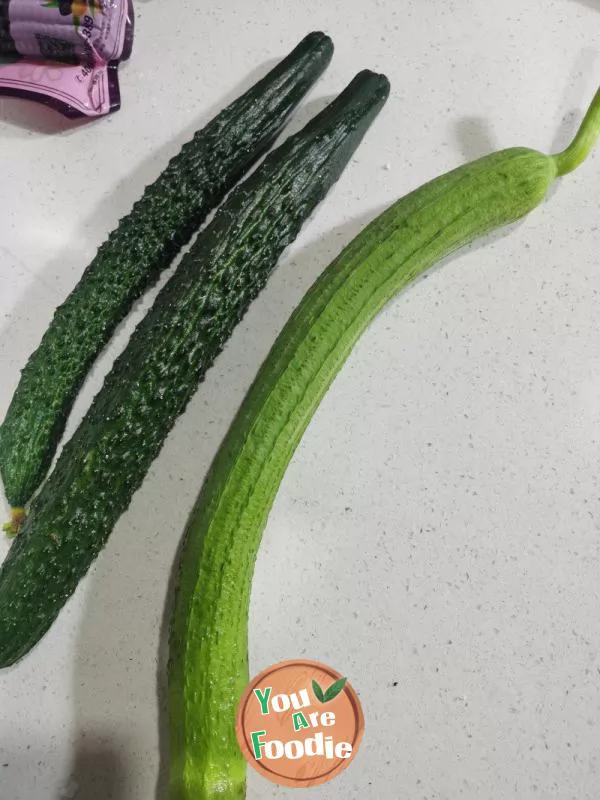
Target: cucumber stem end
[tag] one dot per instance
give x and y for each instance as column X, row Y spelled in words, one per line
column 585, row 139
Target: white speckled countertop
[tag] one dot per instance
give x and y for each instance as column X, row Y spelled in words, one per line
column 437, row 536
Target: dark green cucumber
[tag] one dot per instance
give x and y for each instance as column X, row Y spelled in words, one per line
column 144, row 243
column 167, row 356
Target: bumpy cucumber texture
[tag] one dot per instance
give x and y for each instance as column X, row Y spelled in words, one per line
column 167, row 356
column 131, row 259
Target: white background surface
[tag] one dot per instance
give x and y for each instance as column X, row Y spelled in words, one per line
column 439, row 526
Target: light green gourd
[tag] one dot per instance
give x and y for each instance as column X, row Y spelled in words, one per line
column 208, row 668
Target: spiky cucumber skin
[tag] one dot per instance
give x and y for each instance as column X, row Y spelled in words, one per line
column 208, row 665
column 167, row 357
column 136, row 252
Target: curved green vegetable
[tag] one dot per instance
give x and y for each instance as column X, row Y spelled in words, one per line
column 167, row 356
column 208, row 663
column 136, row 252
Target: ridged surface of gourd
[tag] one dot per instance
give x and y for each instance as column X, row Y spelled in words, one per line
column 144, row 243
column 165, row 360
column 208, row 666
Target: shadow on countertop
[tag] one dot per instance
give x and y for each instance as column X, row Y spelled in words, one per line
column 99, row 771
column 475, row 137
column 34, row 117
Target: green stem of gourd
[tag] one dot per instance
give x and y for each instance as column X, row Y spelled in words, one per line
column 582, row 144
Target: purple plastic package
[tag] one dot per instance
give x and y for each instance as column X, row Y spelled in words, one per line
column 65, row 53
